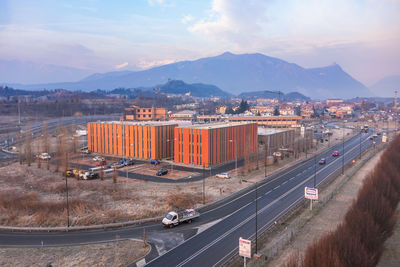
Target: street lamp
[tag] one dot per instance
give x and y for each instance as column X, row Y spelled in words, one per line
column 256, row 185
column 343, row 151
column 172, row 153
column 66, row 186
column 235, row 143
column 360, row 142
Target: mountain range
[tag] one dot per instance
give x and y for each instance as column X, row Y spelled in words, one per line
column 231, row 73
column 292, row 96
column 386, row 86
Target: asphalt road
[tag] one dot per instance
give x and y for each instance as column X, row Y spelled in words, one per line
column 196, row 245
column 36, row 129
column 218, row 243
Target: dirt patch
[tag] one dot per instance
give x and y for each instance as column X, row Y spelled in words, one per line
column 391, row 253
column 120, row 253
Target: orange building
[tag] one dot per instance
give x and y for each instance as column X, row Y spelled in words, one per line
column 145, row 114
column 150, row 140
column 270, row 121
column 214, row 144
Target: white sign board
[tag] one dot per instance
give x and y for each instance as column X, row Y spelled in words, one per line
column 244, row 248
column 311, row 193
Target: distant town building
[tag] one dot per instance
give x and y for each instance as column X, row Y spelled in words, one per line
column 220, row 110
column 334, row 101
column 145, row 114
column 270, row 121
column 184, row 115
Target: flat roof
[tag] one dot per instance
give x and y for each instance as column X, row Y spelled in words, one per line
column 216, row 125
column 269, row 131
column 141, row 123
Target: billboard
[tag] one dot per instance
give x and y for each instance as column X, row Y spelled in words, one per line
column 244, row 248
column 311, row 193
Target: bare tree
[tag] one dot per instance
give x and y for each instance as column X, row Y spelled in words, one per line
column 46, row 141
column 19, row 144
column 115, row 174
column 74, row 138
column 28, row 144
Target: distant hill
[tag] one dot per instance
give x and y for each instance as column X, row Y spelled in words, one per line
column 29, row 72
column 231, row 73
column 386, row 86
column 195, row 89
column 293, row 96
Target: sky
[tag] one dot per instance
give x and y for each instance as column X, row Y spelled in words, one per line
column 362, row 36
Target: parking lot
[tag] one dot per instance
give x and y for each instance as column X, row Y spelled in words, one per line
column 139, row 169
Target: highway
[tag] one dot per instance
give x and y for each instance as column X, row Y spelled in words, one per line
column 217, row 243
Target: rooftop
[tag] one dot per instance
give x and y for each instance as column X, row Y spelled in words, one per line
column 269, row 131
column 141, row 123
column 215, row 125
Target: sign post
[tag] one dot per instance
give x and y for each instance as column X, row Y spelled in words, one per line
column 244, row 249
column 311, row 194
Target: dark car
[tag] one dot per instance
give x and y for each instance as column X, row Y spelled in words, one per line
column 161, row 172
column 154, row 161
column 322, row 161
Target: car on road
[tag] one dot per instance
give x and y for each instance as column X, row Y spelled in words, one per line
column 335, row 153
column 322, row 161
column 44, row 156
column 224, row 175
column 174, row 218
column 162, row 172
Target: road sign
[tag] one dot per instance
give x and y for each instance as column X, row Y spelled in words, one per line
column 244, row 248
column 311, row 193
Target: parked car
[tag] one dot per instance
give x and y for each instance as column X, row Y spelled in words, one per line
column 101, row 163
column 85, row 151
column 98, row 158
column 129, row 162
column 44, row 156
column 335, row 153
column 224, row 175
column 162, row 172
column 154, row 161
column 322, row 161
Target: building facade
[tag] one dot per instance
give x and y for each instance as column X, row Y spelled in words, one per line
column 145, row 114
column 214, row 144
column 270, row 121
column 151, row 140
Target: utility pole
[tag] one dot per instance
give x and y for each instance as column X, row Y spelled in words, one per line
column 204, row 186
column 256, row 216
column 66, row 186
column 360, row 143
column 343, row 151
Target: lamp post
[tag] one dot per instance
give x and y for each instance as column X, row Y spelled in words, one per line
column 343, row 151
column 256, row 185
column 235, row 143
column 360, row 143
column 172, row 153
column 66, row 186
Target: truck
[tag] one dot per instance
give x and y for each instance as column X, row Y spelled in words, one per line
column 175, row 218
column 365, row 128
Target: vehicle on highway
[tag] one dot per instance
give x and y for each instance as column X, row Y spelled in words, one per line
column 44, row 156
column 224, row 175
column 162, row 172
column 174, row 218
column 335, row 153
column 322, row 161
column 154, row 161
column 365, row 128
column 129, row 162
